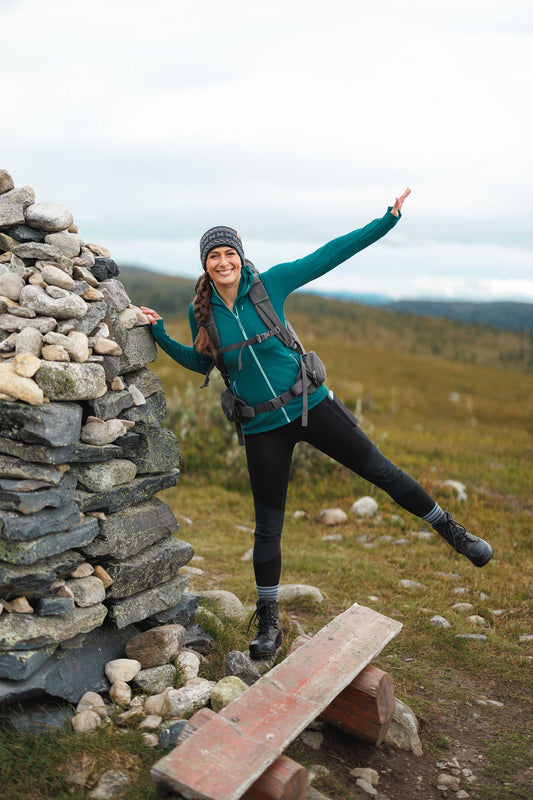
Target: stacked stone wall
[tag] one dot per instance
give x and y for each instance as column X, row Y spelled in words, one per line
column 86, row 550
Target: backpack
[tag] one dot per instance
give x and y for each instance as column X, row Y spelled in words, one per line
column 312, row 373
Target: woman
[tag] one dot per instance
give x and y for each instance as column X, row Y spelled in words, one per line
column 264, row 370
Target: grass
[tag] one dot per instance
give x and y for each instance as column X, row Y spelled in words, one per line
column 439, row 419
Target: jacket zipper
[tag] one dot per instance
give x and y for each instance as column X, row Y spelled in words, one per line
column 254, row 356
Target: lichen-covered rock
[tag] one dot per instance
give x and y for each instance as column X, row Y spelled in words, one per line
column 226, row 691
column 72, row 381
column 102, row 477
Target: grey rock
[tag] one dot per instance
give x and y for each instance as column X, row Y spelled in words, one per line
column 474, row 637
column 100, row 432
column 104, row 477
column 17, row 580
column 169, row 737
column 409, row 584
column 126, row 495
column 32, row 550
column 68, row 243
column 95, row 314
column 52, row 606
column 241, row 665
column 11, row 210
column 11, row 285
column 153, row 565
column 111, row 404
column 29, row 340
column 23, row 233
column 144, row 604
column 6, row 181
column 7, row 244
column 157, row 646
column 290, row 591
column 60, row 381
column 21, row 312
column 182, row 613
column 145, row 380
column 17, row 665
column 63, row 308
column 156, row 679
column 37, row 250
column 53, row 424
column 73, row 454
column 198, row 640
column 36, row 716
column 152, row 413
column 115, row 294
column 49, row 217
column 72, row 672
column 34, row 501
column 29, row 632
column 24, row 527
column 87, row 591
column 139, row 349
column 439, row 622
column 104, row 268
column 10, row 323
column 403, row 729
column 158, row 449
column 85, row 260
column 80, row 287
column 111, row 365
column 11, row 467
column 112, row 783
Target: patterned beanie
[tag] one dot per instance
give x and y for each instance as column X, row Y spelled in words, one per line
column 218, row 237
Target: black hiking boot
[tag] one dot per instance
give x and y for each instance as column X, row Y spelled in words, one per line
column 477, row 550
column 268, row 637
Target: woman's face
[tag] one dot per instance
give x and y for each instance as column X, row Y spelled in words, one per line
column 223, row 265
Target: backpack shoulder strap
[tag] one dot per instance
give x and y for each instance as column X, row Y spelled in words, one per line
column 263, row 305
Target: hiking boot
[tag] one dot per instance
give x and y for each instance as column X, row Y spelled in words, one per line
column 477, row 550
column 268, row 637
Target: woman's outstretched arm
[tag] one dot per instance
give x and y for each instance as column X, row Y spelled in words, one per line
column 283, row 279
column 185, row 356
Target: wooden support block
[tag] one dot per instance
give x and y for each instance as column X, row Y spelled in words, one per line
column 365, row 707
column 285, row 779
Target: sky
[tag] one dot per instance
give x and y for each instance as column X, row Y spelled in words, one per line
column 293, row 122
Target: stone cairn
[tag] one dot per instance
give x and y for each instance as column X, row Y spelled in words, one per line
column 87, row 553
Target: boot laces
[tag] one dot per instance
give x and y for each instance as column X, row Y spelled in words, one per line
column 453, row 532
column 263, row 617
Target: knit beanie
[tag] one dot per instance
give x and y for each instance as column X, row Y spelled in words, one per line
column 218, row 237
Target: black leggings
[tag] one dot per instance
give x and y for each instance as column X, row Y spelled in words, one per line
column 333, row 430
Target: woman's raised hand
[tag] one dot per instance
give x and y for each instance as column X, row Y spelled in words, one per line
column 399, row 202
column 152, row 315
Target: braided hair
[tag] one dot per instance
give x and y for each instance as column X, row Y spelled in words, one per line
column 201, row 307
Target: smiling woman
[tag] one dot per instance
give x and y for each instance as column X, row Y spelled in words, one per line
column 276, row 392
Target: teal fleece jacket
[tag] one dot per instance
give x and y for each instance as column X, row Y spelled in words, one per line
column 269, row 368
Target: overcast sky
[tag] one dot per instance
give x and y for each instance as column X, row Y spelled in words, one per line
column 293, row 122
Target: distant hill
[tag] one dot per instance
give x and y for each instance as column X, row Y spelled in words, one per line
column 501, row 314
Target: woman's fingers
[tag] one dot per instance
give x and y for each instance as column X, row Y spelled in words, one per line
column 399, row 202
column 152, row 315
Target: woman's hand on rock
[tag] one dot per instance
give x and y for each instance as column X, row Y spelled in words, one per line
column 152, row 315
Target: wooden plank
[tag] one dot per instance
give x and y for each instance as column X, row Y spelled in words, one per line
column 249, row 734
column 285, row 779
